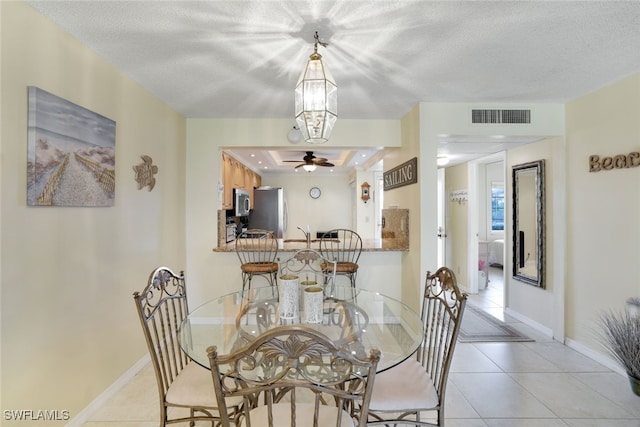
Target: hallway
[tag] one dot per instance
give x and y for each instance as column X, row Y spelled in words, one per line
column 491, row 299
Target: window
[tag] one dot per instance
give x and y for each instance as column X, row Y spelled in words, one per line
column 497, row 206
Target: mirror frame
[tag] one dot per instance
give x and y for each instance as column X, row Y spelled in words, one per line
column 538, row 168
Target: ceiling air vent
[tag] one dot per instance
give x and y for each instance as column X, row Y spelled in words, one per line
column 501, row 116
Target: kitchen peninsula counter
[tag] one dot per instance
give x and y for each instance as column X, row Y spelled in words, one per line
column 292, row 245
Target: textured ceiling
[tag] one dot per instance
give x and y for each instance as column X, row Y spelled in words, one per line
column 243, row 58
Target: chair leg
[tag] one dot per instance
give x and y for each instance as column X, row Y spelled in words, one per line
column 271, row 278
column 246, row 278
column 163, row 415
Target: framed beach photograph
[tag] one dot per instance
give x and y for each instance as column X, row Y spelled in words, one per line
column 70, row 153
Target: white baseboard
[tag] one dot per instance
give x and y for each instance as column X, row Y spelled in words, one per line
column 601, row 358
column 547, row 332
column 598, row 357
column 85, row 415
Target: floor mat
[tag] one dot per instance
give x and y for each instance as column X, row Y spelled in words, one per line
column 479, row 326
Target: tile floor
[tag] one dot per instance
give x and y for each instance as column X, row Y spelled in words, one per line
column 534, row 384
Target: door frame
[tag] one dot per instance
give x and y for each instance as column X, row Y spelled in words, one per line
column 378, row 195
column 476, row 184
column 444, row 257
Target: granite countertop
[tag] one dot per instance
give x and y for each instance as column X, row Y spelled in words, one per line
column 292, row 245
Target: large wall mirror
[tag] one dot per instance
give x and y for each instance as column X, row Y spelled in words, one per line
column 529, row 223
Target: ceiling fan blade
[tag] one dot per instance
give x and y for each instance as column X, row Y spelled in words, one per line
column 310, row 160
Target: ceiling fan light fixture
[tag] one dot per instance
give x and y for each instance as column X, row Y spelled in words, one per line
column 310, row 162
column 316, row 99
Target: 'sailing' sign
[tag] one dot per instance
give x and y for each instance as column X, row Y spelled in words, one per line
column 405, row 174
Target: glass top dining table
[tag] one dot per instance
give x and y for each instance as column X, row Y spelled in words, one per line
column 357, row 320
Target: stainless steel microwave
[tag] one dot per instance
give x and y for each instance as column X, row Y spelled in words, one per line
column 241, row 202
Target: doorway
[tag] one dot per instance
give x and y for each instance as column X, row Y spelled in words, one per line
column 488, row 214
column 485, row 215
column 444, row 258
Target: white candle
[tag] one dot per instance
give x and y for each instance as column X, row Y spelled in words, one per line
column 289, row 296
column 313, row 302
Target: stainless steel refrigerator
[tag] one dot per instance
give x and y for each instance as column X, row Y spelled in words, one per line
column 269, row 211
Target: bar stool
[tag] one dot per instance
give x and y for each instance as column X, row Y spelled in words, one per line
column 343, row 246
column 257, row 251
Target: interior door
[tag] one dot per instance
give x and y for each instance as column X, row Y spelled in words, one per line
column 443, row 259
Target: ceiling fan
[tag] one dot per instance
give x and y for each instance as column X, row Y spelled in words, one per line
column 310, row 160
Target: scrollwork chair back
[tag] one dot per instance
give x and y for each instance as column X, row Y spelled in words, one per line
column 419, row 384
column 344, row 247
column 258, row 252
column 309, row 265
column 162, row 306
column 300, row 375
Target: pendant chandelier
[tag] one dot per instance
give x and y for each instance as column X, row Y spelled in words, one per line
column 316, row 97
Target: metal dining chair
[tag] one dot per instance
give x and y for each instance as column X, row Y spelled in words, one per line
column 294, row 375
column 418, row 384
column 311, row 267
column 162, row 306
column 257, row 251
column 343, row 246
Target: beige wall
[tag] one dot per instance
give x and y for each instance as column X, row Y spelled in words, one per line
column 603, row 226
column 333, row 209
column 69, row 327
column 536, row 304
column 408, row 197
column 365, row 213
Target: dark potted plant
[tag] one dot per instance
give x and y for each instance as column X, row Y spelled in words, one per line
column 621, row 336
